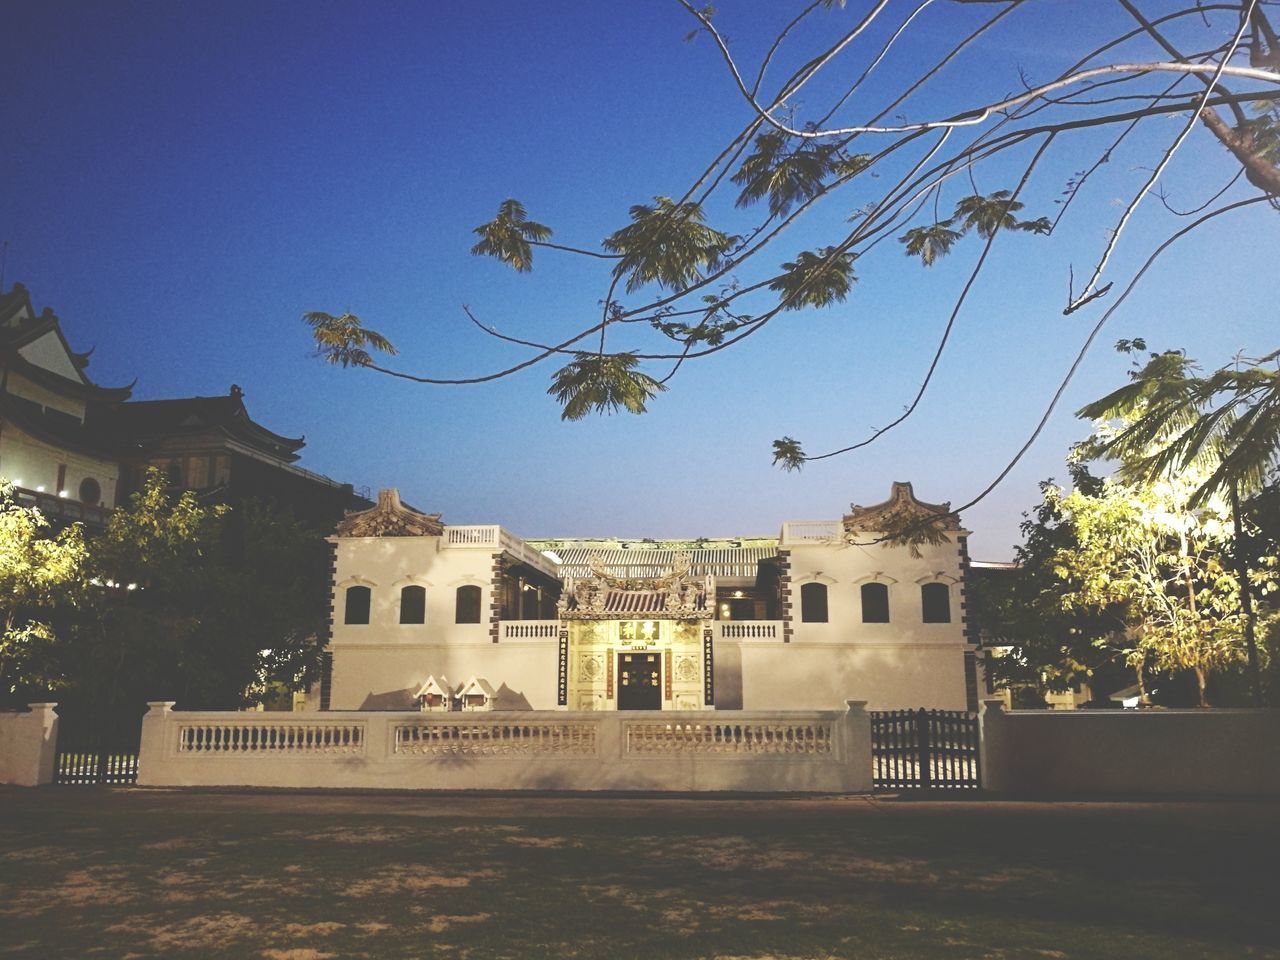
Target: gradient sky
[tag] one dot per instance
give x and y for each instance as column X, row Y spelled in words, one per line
column 182, row 181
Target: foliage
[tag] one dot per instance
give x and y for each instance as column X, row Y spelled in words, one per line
column 41, row 571
column 1045, row 646
column 815, row 136
column 345, row 340
column 605, row 384
column 507, row 237
column 177, row 600
column 1143, row 548
column 1226, row 424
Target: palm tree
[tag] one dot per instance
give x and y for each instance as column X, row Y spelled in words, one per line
column 1227, row 423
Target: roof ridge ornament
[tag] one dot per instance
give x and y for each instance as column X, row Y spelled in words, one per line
column 896, row 512
column 390, row 518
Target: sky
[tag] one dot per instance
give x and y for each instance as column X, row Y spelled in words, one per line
column 182, row 181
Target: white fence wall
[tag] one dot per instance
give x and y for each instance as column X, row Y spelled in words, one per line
column 28, row 744
column 1167, row 753
column 815, row 751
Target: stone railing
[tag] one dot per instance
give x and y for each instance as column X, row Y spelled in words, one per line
column 492, row 537
column 810, row 751
column 749, row 630
column 466, row 738
column 760, row 737
column 801, row 532
column 267, row 734
column 528, row 629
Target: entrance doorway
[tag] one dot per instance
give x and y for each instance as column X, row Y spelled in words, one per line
column 639, row 681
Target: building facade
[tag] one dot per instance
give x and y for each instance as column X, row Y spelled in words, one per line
column 77, row 450
column 821, row 614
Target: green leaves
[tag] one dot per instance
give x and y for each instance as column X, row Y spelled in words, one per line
column 983, row 215
column 507, row 236
column 667, row 244
column 602, row 383
column 788, row 454
column 785, row 176
column 816, row 279
column 345, row 340
column 930, row 243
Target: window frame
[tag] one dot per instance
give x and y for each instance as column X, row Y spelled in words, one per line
column 881, row 591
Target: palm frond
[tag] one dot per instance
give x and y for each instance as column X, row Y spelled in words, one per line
column 344, row 339
column 667, row 244
column 603, row 383
column 815, row 279
column 507, row 236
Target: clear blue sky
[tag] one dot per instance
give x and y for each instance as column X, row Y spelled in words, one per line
column 182, row 181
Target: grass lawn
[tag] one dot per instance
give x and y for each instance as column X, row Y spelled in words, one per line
column 118, row 873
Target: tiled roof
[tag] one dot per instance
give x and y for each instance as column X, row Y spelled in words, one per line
column 638, row 564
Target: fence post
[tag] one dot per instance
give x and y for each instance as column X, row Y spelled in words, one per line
column 990, row 718
column 28, row 746
column 856, row 748
column 153, row 748
column 923, row 759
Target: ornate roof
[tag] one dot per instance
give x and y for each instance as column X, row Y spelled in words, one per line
column 150, row 419
column 390, row 518
column 741, row 562
column 602, row 596
column 894, row 513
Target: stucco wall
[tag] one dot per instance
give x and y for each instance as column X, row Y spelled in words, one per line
column 1148, row 752
column 28, row 744
column 820, row 675
column 815, row 751
column 844, row 568
column 31, row 463
column 388, row 564
column 374, row 676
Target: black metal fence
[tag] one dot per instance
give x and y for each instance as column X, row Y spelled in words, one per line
column 925, row 750
column 93, row 750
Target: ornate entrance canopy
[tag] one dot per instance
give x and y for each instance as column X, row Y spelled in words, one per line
column 676, row 596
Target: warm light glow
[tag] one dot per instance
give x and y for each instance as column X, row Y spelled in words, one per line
column 40, row 489
column 737, row 594
column 62, row 493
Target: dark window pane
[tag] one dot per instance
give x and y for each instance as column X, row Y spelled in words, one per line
column 875, row 603
column 935, row 598
column 468, row 608
column 813, row 603
column 413, row 605
column 90, row 491
column 357, row 605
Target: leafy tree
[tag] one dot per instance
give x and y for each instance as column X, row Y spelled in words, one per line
column 41, row 572
column 1048, row 647
column 173, row 600
column 1144, row 548
column 1225, row 425
column 816, row 135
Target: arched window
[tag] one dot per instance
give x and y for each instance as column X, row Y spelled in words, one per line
column 90, row 491
column 357, row 610
column 875, row 603
column 813, row 603
column 413, row 605
column 935, row 600
column 468, row 607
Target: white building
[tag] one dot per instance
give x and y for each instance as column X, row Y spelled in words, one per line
column 820, row 615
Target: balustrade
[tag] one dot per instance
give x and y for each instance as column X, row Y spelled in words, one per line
column 275, row 737
column 495, row 739
column 750, row 629
column 529, row 629
column 811, row 531
column 728, row 738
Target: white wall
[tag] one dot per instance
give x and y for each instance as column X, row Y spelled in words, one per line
column 28, row 745
column 828, row 752
column 385, row 676
column 771, row 675
column 35, row 463
column 386, row 565
column 844, row 568
column 1148, row 752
